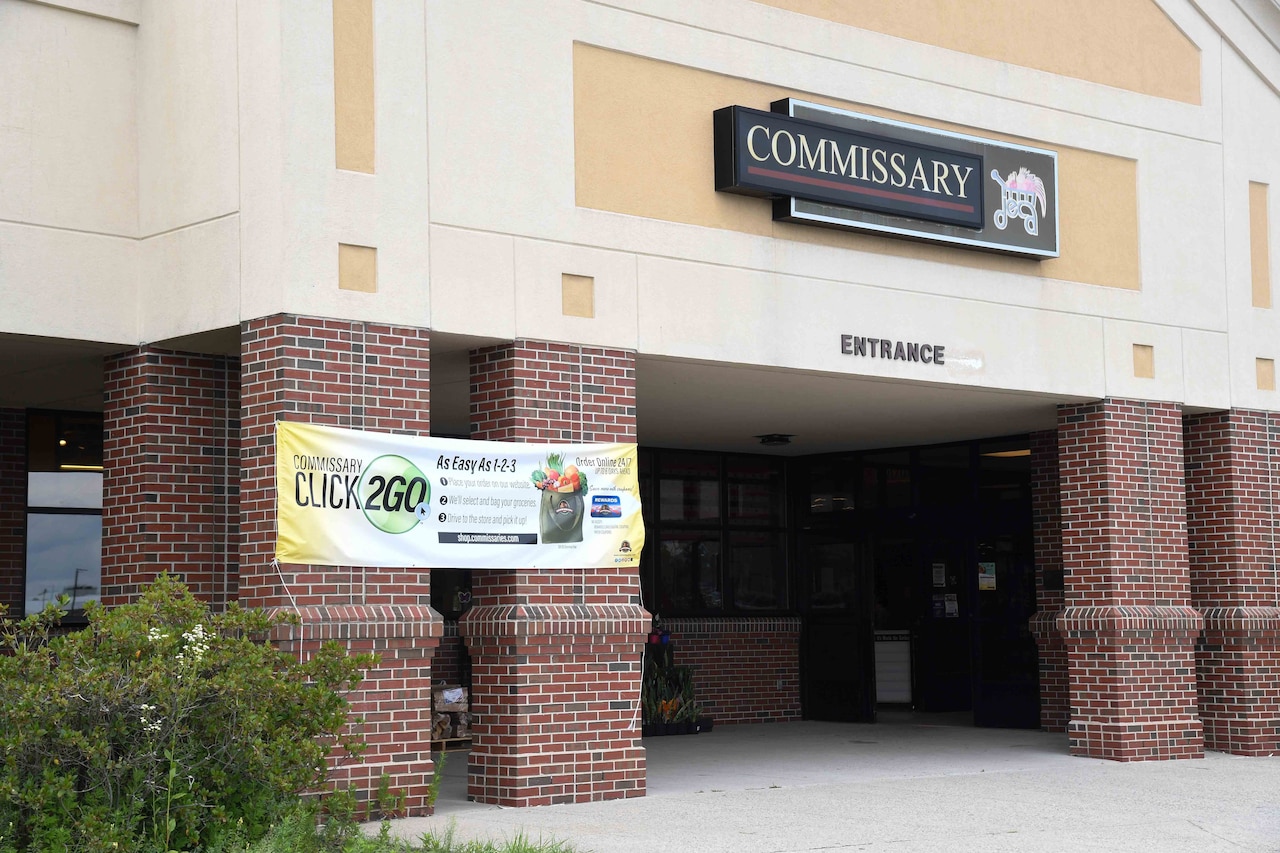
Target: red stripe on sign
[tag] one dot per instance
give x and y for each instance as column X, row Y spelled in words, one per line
column 850, row 188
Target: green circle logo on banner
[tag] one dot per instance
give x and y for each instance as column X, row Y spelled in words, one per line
column 391, row 490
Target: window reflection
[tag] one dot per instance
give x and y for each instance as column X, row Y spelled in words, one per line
column 81, row 490
column 64, row 557
column 64, row 510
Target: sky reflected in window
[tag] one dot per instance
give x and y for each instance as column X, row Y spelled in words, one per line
column 64, row 557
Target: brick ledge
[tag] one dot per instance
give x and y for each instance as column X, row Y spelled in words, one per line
column 360, row 621
column 1242, row 619
column 1130, row 618
column 539, row 620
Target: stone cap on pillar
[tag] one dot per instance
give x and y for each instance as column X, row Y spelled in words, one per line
column 1242, row 619
column 1114, row 619
column 548, row 620
column 360, row 622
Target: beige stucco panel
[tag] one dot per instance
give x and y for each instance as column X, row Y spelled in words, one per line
column 1206, row 369
column 1166, row 344
column 627, row 162
column 716, row 313
column 1251, row 122
column 297, row 205
column 65, row 284
column 68, row 140
column 1128, row 44
column 473, row 282
column 189, row 280
column 539, row 266
column 188, row 129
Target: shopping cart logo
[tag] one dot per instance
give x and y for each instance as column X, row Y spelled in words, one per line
column 1018, row 196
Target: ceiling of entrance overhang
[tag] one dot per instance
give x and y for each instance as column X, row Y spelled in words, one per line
column 49, row 373
column 703, row 405
column 716, row 406
column 690, row 404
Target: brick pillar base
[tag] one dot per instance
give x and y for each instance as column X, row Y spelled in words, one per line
column 555, row 690
column 1133, row 685
column 1055, row 696
column 13, row 507
column 394, row 699
column 1233, row 470
column 1055, row 691
column 1128, row 624
column 555, row 655
column 170, row 473
column 363, row 376
column 1238, row 669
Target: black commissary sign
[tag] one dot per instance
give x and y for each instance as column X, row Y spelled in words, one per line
column 836, row 168
column 775, row 154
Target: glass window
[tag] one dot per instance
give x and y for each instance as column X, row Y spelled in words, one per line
column 755, row 491
column 64, row 557
column 64, row 510
column 689, row 487
column 833, row 576
column 689, row 572
column 757, row 571
column 945, row 479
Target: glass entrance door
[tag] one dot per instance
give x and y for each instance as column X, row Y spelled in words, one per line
column 837, row 663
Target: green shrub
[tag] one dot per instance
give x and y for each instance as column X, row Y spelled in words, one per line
column 160, row 726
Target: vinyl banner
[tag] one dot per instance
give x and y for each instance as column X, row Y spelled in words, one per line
column 351, row 498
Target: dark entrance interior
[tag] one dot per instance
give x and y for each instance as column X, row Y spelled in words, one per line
column 917, row 582
column 911, row 569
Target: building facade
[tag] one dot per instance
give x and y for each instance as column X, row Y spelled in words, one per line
column 883, row 464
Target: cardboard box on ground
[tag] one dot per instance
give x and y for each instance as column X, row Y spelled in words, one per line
column 450, row 712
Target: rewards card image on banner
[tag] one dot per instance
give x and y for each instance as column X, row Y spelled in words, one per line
column 352, row 498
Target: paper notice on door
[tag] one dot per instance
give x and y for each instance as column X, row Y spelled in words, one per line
column 939, row 574
column 986, row 575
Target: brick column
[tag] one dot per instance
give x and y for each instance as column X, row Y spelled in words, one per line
column 367, row 376
column 556, row 655
column 1128, row 624
column 1055, row 705
column 1233, row 472
column 13, row 507
column 170, row 473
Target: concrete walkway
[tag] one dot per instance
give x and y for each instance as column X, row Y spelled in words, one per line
column 911, row 785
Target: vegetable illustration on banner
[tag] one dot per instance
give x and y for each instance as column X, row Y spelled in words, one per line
column 560, row 517
column 346, row 497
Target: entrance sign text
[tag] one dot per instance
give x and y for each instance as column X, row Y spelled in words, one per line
column 841, row 169
column 350, row 498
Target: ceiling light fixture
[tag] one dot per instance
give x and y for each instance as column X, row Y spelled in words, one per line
column 775, row 439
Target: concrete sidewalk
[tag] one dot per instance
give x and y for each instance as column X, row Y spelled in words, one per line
column 912, row 785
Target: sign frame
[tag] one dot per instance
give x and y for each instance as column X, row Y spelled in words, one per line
column 1019, row 235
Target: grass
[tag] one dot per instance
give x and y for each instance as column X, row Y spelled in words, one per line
column 445, row 842
column 298, row 833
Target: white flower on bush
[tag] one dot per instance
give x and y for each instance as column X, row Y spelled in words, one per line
column 148, row 724
column 195, row 644
column 155, row 636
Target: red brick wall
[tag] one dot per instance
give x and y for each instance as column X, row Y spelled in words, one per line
column 171, row 475
column 1233, row 468
column 1055, row 704
column 555, row 655
column 365, row 376
column 446, row 665
column 13, row 503
column 1128, row 624
column 745, row 670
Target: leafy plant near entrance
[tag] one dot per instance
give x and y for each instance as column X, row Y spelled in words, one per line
column 161, row 726
column 667, row 696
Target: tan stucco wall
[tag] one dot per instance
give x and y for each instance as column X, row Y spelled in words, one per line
column 1129, row 44
column 642, row 146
